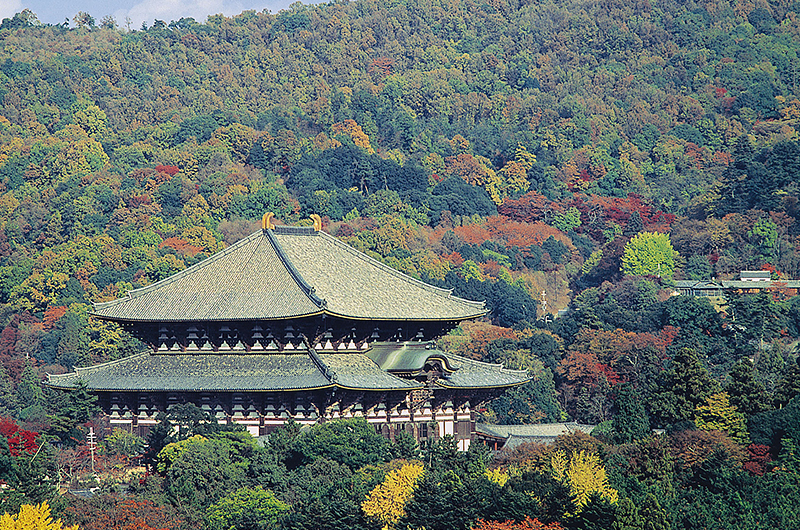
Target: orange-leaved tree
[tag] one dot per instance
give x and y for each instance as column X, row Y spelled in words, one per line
column 526, row 524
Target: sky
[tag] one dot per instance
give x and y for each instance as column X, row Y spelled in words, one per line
column 55, row 12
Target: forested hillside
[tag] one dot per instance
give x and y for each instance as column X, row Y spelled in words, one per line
column 568, row 155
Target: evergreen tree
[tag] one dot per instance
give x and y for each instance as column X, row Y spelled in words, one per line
column 30, row 394
column 746, row 394
column 8, row 398
column 684, row 387
column 630, row 421
column 789, row 385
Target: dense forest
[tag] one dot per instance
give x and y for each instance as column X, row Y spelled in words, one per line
column 564, row 160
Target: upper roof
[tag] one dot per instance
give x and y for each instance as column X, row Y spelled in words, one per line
column 288, row 272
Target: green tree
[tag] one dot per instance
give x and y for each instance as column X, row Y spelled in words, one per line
column 246, row 509
column 765, row 237
column 124, row 444
column 353, row 443
column 698, row 268
column 746, row 393
column 684, row 387
column 199, row 471
column 649, row 253
column 630, row 422
column 326, row 494
column 29, row 393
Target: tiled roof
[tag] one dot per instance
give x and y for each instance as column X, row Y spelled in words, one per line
column 406, row 357
column 475, row 374
column 541, row 432
column 357, row 371
column 199, row 373
column 459, row 372
column 770, row 284
column 185, row 372
column 284, row 273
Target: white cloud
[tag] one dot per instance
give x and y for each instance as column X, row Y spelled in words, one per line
column 9, row 8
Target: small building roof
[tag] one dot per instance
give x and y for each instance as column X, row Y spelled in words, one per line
column 767, row 284
column 288, row 272
column 214, row 372
column 543, row 433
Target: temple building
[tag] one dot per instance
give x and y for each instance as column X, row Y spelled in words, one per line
column 292, row 323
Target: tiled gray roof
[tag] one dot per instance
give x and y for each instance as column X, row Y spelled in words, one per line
column 247, row 280
column 543, row 433
column 186, row 372
column 288, row 272
column 199, row 373
column 751, row 284
column 357, row 286
column 460, row 372
column 475, row 374
column 357, row 371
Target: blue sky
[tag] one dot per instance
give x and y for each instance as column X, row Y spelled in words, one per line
column 55, row 12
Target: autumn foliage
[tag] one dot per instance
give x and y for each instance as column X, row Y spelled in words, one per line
column 525, row 524
column 111, row 512
column 34, row 517
column 386, row 503
column 19, row 440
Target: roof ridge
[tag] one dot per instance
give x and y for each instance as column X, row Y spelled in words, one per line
column 495, row 366
column 301, row 282
column 324, row 368
column 401, row 275
column 88, row 369
column 178, row 275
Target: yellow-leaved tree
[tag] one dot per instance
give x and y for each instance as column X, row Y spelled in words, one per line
column 717, row 414
column 584, row 474
column 32, row 517
column 387, row 501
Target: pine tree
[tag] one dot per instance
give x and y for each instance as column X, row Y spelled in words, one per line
column 8, row 399
column 746, row 394
column 29, row 393
column 685, row 386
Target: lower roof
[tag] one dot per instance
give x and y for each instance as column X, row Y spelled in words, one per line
column 458, row 372
column 377, row 370
column 199, row 372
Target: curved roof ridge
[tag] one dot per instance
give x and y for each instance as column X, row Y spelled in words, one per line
column 324, row 368
column 493, row 366
column 88, row 369
column 301, row 282
column 401, row 275
column 133, row 293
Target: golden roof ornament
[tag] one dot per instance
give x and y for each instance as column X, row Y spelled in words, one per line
column 266, row 221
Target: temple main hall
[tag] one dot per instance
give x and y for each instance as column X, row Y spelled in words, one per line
column 290, row 322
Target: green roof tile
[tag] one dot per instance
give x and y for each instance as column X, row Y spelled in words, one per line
column 459, row 372
column 214, row 372
column 285, row 273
